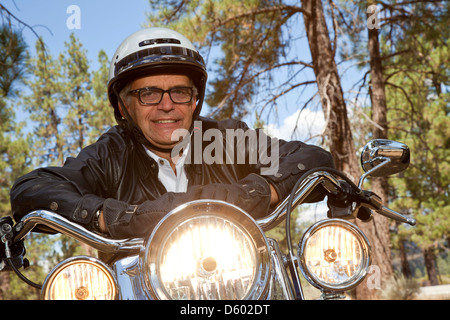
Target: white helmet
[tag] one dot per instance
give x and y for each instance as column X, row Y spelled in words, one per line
column 155, row 51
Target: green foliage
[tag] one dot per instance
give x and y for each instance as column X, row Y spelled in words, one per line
column 68, row 102
column 100, row 117
column 420, row 109
column 14, row 146
column 418, row 91
column 42, row 106
column 13, row 53
column 75, row 94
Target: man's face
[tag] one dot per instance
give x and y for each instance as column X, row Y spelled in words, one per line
column 158, row 122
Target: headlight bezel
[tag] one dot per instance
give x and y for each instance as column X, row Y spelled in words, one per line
column 205, row 208
column 69, row 262
column 354, row 280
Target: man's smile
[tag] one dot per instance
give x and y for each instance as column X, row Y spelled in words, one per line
column 166, row 121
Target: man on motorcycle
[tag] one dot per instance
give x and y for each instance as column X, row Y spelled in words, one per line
column 149, row 163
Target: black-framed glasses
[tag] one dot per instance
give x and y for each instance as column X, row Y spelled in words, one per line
column 153, row 96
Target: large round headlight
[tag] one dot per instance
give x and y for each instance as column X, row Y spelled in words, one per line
column 80, row 278
column 334, row 255
column 207, row 250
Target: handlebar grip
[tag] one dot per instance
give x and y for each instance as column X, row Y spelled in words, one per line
column 374, row 202
column 385, row 211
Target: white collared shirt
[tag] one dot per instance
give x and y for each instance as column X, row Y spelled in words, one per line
column 172, row 182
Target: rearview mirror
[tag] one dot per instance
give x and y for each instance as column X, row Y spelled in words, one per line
column 381, row 157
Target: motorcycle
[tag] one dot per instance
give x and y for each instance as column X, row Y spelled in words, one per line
column 212, row 250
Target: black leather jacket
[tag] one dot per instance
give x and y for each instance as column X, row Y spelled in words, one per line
column 116, row 166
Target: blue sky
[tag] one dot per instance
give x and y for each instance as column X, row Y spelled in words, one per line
column 103, row 23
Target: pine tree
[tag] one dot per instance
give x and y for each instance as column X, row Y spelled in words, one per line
column 419, row 110
column 43, row 105
column 14, row 147
column 75, row 95
column 100, row 116
column 420, row 107
column 66, row 102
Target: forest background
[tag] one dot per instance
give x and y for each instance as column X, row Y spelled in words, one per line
column 333, row 73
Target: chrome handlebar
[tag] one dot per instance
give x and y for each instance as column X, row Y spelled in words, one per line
column 64, row 226
column 331, row 184
column 304, row 189
column 385, row 211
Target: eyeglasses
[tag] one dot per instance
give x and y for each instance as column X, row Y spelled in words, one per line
column 153, row 96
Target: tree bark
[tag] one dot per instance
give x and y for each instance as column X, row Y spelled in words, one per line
column 338, row 130
column 406, row 270
column 377, row 230
column 430, row 264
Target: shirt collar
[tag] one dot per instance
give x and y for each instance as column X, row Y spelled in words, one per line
column 178, row 161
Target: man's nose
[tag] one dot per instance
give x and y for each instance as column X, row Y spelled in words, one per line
column 166, row 103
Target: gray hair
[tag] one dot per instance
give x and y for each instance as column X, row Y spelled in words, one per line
column 124, row 93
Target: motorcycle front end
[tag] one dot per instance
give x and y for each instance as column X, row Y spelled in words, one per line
column 202, row 250
column 212, row 250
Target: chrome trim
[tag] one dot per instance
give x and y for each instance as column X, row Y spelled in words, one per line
column 366, row 251
column 129, row 277
column 76, row 231
column 280, row 287
column 74, row 260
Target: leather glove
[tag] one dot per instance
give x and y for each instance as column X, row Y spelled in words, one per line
column 252, row 194
column 134, row 221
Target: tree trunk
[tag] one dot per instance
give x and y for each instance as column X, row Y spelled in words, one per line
column 338, row 129
column 430, row 264
column 377, row 230
column 406, row 270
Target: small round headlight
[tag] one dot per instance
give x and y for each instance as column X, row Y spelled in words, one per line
column 334, row 255
column 207, row 250
column 80, row 278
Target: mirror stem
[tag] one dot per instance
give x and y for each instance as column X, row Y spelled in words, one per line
column 363, row 177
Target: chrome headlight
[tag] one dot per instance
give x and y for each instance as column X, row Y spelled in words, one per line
column 80, row 278
column 207, row 250
column 334, row 255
